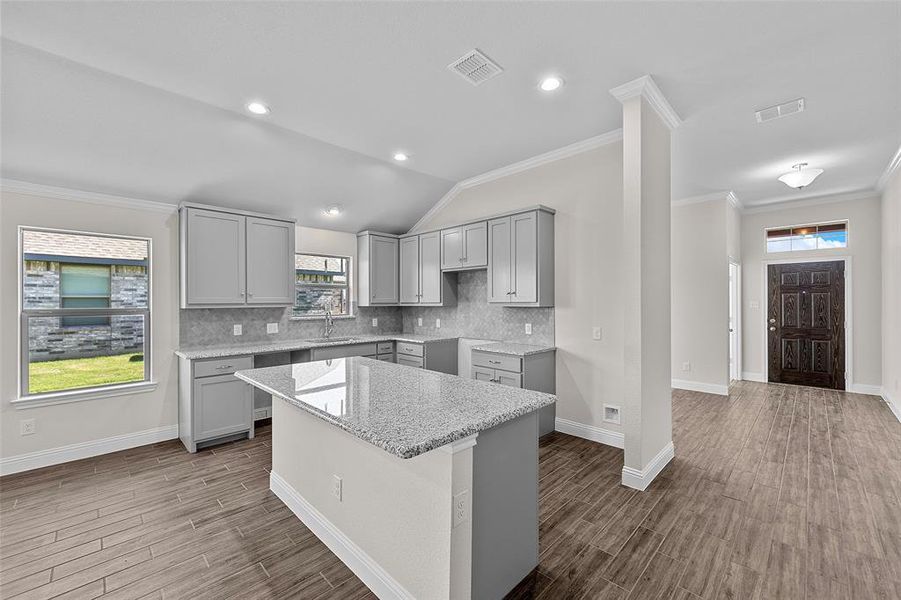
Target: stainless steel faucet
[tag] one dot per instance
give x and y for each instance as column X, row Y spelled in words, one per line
column 329, row 322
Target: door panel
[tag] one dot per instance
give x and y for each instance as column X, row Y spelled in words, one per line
column 806, row 324
column 409, row 269
column 215, row 257
column 430, row 268
column 525, row 257
column 499, row 260
column 270, row 261
column 383, row 265
column 452, row 248
column 475, row 245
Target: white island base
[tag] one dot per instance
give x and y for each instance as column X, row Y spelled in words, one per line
column 457, row 522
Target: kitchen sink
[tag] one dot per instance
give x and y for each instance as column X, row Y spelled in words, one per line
column 324, row 340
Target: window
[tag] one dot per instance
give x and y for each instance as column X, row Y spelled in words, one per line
column 807, row 237
column 85, row 316
column 321, row 282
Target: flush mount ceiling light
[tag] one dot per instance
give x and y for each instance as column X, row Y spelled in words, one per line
column 549, row 84
column 800, row 176
column 400, row 156
column 258, row 108
column 333, row 211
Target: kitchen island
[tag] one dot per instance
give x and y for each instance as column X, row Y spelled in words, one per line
column 425, row 484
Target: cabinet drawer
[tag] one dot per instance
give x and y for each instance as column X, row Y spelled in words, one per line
column 409, row 349
column 497, row 361
column 385, row 347
column 342, row 351
column 409, row 361
column 222, row 366
column 386, row 357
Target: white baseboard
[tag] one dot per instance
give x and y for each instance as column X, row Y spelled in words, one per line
column 363, row 566
column 55, row 456
column 698, row 386
column 893, row 405
column 863, row 388
column 590, row 432
column 753, row 376
column 641, row 479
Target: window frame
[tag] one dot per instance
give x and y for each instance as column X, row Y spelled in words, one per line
column 846, row 222
column 24, row 399
column 350, row 305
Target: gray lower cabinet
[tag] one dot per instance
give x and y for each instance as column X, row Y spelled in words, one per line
column 436, row 355
column 329, row 352
column 531, row 372
column 214, row 405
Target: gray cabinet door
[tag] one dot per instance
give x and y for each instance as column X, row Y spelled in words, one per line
column 452, row 248
column 222, row 405
column 475, row 245
column 510, row 379
column 430, row 268
column 270, row 261
column 524, row 253
column 382, row 270
column 410, row 290
column 499, row 244
column 214, row 263
column 482, row 374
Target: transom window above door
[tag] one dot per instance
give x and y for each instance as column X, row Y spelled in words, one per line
column 798, row 238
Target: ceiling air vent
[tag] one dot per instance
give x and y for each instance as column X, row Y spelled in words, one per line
column 475, row 67
column 780, row 110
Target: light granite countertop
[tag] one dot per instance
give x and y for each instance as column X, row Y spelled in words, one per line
column 513, row 349
column 263, row 347
column 404, row 411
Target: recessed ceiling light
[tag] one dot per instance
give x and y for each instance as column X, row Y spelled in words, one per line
column 549, row 84
column 400, row 156
column 258, row 108
column 333, row 211
column 800, row 176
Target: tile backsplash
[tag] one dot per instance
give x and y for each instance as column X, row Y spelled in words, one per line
column 472, row 317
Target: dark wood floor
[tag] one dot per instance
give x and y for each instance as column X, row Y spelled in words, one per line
column 776, row 492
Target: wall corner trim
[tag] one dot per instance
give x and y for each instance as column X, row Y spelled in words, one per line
column 63, row 454
column 646, row 87
column 363, row 566
column 889, row 170
column 729, row 196
column 700, row 386
column 753, row 376
column 518, row 167
column 892, row 405
column 590, row 432
column 641, row 479
column 62, row 193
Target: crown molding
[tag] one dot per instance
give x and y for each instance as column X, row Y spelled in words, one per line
column 811, row 201
column 518, row 167
column 646, row 87
column 62, row 193
column 728, row 196
column 889, row 170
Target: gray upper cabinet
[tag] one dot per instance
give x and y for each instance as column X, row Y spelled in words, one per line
column 270, row 261
column 421, row 279
column 465, row 247
column 212, row 255
column 377, row 269
column 409, row 270
column 521, row 259
column 430, row 277
column 230, row 258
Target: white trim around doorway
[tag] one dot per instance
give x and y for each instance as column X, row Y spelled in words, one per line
column 738, row 321
column 764, row 305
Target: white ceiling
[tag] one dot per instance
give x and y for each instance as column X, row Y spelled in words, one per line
column 146, row 98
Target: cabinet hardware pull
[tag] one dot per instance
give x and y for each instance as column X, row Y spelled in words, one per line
column 495, row 362
column 223, row 367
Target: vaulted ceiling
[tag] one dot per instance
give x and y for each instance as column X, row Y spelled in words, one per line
column 146, row 99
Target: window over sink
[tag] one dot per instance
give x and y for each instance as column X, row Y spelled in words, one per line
column 320, row 282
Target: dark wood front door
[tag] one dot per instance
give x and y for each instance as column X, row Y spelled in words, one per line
column 806, row 324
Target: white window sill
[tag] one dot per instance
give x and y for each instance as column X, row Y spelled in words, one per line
column 65, row 397
column 322, row 318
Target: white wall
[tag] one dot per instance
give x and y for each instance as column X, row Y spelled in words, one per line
column 891, row 292
column 587, row 191
column 864, row 248
column 89, row 420
column 700, row 296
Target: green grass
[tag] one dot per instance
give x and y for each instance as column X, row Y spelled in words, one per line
column 71, row 373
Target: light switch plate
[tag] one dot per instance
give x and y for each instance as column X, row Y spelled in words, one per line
column 686, row 366
column 337, row 488
column 419, row 322
column 596, row 333
column 27, row 426
column 437, row 323
column 375, row 322
column 238, row 329
column 271, row 327
column 528, row 329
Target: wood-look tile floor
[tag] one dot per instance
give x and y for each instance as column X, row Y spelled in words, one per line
column 775, row 492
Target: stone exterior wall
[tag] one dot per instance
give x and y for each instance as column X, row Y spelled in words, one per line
column 50, row 339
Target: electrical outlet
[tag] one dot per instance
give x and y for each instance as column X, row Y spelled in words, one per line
column 461, row 508
column 528, row 329
column 686, row 366
column 27, row 426
column 419, row 322
column 437, row 323
column 238, row 329
column 271, row 327
column 337, row 488
column 596, row 333
column 375, row 322
column 611, row 413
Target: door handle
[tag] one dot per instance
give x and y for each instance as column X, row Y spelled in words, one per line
column 772, row 329
column 772, row 320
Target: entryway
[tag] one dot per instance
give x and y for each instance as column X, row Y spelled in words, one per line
column 806, row 323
